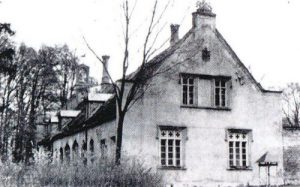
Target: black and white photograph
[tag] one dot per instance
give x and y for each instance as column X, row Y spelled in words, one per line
column 150, row 93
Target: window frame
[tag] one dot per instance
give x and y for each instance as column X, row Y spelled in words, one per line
column 247, row 140
column 182, row 138
column 213, row 79
column 189, row 85
column 221, row 100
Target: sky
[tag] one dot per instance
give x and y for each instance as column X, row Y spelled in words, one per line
column 265, row 34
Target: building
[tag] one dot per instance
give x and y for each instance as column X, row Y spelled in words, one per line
column 206, row 122
column 291, row 152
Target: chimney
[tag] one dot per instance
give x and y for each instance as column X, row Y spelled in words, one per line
column 105, row 77
column 174, row 34
column 204, row 18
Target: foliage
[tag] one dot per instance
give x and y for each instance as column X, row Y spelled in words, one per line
column 291, row 105
column 32, row 83
column 105, row 173
column 291, row 164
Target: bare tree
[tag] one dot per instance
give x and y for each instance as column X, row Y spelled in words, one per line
column 130, row 88
column 291, row 105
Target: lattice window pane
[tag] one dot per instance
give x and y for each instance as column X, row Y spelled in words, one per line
column 238, row 151
column 170, row 148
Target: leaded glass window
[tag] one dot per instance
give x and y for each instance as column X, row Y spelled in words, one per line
column 171, row 148
column 238, row 145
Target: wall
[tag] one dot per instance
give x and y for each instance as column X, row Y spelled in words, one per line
column 103, row 131
column 291, row 152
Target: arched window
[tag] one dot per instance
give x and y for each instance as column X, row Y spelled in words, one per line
column 67, row 153
column 92, row 150
column 61, row 154
column 92, row 146
column 83, row 152
column 75, row 150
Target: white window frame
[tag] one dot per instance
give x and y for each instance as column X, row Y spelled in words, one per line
column 238, row 155
column 188, row 85
column 177, row 135
column 222, row 97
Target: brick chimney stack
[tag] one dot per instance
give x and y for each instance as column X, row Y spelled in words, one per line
column 105, row 77
column 204, row 18
column 174, row 34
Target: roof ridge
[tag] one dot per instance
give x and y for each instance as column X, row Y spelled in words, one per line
column 161, row 56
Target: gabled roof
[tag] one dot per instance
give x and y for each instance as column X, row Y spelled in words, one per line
column 105, row 113
column 151, row 66
column 69, row 113
column 54, row 119
column 242, row 66
column 101, row 97
column 155, row 63
column 267, row 159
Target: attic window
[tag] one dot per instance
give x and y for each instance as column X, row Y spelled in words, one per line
column 205, row 54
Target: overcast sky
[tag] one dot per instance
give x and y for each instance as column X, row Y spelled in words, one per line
column 265, row 34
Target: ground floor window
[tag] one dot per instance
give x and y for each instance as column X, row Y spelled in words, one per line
column 238, row 148
column 171, row 146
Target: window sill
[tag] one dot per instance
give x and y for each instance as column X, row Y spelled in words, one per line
column 171, row 168
column 206, row 108
column 240, row 169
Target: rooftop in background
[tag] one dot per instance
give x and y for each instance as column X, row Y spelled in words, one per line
column 69, row 113
column 99, row 97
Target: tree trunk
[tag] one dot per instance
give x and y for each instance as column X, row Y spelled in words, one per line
column 119, row 138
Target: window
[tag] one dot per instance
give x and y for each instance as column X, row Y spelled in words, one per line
column 83, row 152
column 75, row 150
column 61, row 154
column 188, row 90
column 206, row 91
column 48, row 128
column 103, row 148
column 92, row 150
column 205, row 54
column 92, row 146
column 238, row 144
column 67, row 153
column 220, row 93
column 171, row 147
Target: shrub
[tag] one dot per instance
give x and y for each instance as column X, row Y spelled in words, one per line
column 104, row 173
column 98, row 173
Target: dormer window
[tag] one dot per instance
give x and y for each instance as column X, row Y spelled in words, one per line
column 205, row 54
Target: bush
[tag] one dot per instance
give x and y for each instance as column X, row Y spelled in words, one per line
column 98, row 174
column 104, row 173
